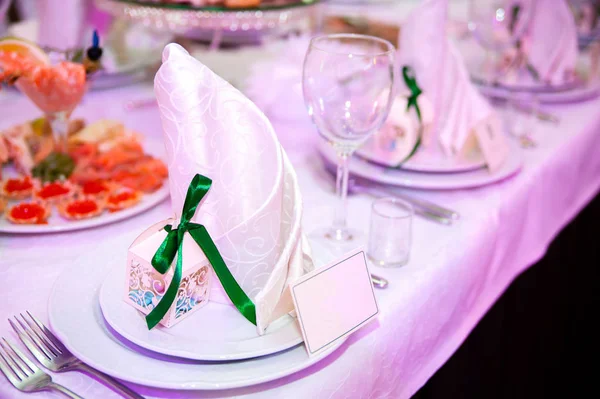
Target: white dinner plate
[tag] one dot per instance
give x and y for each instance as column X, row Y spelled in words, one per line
column 76, row 318
column 230, row 336
column 429, row 162
column 429, row 181
column 56, row 224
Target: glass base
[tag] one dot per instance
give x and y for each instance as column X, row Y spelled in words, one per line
column 388, row 264
column 340, row 242
column 339, row 234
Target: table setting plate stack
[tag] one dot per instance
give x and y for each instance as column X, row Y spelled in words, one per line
column 432, row 139
column 180, row 358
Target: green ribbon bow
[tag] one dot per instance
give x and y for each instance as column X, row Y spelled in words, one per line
column 415, row 90
column 173, row 244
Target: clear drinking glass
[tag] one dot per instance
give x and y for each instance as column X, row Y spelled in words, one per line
column 390, row 235
column 499, row 24
column 348, row 89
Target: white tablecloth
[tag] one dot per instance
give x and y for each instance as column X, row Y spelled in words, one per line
column 454, row 275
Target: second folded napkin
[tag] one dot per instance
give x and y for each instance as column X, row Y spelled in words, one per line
column 551, row 41
column 441, row 73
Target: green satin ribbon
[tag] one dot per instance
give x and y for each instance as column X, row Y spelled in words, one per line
column 173, row 244
column 415, row 90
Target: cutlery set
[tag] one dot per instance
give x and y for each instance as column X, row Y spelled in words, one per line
column 26, row 376
column 423, row 208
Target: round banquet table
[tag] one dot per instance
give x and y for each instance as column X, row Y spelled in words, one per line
column 454, row 276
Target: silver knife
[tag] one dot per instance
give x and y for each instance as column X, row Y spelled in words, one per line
column 422, row 207
column 379, row 282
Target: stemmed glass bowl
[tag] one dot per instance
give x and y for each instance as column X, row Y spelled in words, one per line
column 348, row 85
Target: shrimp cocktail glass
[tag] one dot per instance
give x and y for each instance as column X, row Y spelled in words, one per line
column 53, row 83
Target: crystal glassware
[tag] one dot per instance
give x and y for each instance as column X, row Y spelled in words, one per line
column 56, row 90
column 390, row 234
column 499, row 25
column 348, row 84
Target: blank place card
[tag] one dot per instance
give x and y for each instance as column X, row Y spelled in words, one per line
column 334, row 301
column 492, row 142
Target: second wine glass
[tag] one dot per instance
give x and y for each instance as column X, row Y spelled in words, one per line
column 348, row 85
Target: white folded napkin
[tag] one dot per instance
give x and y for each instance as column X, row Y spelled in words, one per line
column 551, row 41
column 253, row 208
column 441, row 74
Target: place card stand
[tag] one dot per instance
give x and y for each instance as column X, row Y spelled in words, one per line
column 145, row 286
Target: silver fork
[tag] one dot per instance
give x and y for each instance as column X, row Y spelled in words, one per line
column 53, row 355
column 24, row 374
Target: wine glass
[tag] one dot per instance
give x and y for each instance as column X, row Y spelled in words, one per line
column 499, row 24
column 348, row 84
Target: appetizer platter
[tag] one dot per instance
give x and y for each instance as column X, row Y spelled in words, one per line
column 106, row 175
column 224, row 15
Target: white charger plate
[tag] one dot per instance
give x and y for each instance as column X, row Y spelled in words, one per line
column 57, row 224
column 229, row 337
column 429, row 181
column 76, row 318
column 580, row 93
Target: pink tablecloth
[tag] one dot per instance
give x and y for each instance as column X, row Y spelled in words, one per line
column 454, row 276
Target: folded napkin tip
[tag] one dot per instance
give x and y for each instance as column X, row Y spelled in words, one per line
column 171, row 50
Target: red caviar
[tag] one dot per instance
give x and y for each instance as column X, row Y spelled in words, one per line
column 13, row 185
column 122, row 196
column 94, row 187
column 53, row 190
column 121, row 199
column 28, row 213
column 18, row 188
column 82, row 207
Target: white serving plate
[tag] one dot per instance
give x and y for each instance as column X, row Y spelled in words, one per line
column 231, row 336
column 429, row 181
column 76, row 318
column 57, row 224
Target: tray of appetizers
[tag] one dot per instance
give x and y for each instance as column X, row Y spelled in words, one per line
column 109, row 173
column 226, row 15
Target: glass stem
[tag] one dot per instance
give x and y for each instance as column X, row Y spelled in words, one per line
column 59, row 123
column 341, row 188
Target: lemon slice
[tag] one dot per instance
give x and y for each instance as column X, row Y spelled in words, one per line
column 22, row 50
column 99, row 131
